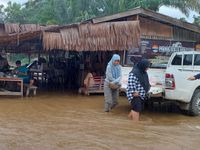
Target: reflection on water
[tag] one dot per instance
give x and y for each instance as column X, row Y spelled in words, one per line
column 55, row 121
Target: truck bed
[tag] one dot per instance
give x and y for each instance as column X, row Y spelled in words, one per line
column 156, row 79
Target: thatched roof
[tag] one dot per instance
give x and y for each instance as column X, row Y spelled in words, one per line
column 21, row 42
column 53, row 38
column 79, row 37
column 15, row 36
column 11, row 28
column 94, row 37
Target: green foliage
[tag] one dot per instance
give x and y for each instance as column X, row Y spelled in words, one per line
column 1, row 14
column 12, row 58
column 183, row 19
column 70, row 11
column 184, row 5
column 14, row 13
column 196, row 20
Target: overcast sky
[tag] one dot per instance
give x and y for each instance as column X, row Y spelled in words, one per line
column 163, row 10
column 173, row 12
column 18, row 1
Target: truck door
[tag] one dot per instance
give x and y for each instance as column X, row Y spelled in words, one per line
column 196, row 66
column 187, row 69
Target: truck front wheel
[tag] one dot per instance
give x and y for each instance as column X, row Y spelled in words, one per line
column 194, row 108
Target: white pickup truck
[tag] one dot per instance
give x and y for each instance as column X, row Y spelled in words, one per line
column 172, row 83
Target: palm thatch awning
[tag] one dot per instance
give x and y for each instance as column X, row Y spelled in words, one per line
column 11, row 28
column 16, row 33
column 21, row 42
column 16, row 38
column 22, row 37
column 53, row 38
column 122, row 35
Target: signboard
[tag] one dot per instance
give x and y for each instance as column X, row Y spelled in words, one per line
column 158, row 51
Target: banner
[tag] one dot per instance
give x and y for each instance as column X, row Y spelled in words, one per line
column 158, row 51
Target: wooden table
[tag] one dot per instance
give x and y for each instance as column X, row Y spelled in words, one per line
column 12, row 79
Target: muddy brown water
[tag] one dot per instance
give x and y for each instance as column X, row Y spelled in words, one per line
column 63, row 121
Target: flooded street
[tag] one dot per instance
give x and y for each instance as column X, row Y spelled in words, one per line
column 54, row 121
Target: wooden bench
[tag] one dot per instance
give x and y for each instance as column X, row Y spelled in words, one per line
column 29, row 88
column 97, row 86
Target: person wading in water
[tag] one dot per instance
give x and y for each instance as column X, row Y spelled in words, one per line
column 138, row 86
column 112, row 83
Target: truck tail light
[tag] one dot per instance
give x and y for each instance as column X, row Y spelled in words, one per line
column 169, row 81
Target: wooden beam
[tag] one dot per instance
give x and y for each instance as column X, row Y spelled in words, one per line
column 117, row 16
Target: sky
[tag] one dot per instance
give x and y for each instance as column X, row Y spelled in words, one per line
column 4, row 2
column 169, row 11
column 175, row 13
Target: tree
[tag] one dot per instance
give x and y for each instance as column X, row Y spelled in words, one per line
column 113, row 6
column 183, row 19
column 1, row 14
column 14, row 13
column 196, row 20
column 70, row 11
column 80, row 10
column 184, row 5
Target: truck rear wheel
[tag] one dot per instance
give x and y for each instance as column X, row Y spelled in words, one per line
column 194, row 108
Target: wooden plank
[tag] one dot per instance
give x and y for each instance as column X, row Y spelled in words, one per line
column 170, row 20
column 10, row 93
column 10, row 79
column 117, row 16
column 154, row 28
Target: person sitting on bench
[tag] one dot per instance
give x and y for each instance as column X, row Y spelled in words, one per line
column 22, row 72
column 88, row 82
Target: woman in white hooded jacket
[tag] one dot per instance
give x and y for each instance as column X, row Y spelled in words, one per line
column 112, row 83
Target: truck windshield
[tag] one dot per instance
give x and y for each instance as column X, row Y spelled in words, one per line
column 159, row 65
column 157, row 60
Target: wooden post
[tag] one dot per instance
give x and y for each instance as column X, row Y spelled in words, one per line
column 22, row 88
column 124, row 58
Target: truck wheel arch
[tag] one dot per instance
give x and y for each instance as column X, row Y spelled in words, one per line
column 194, row 107
column 192, row 94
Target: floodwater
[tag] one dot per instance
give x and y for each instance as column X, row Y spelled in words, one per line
column 62, row 121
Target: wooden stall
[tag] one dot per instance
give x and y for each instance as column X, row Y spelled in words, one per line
column 70, row 48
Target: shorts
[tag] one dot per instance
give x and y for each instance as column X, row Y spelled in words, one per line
column 137, row 104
